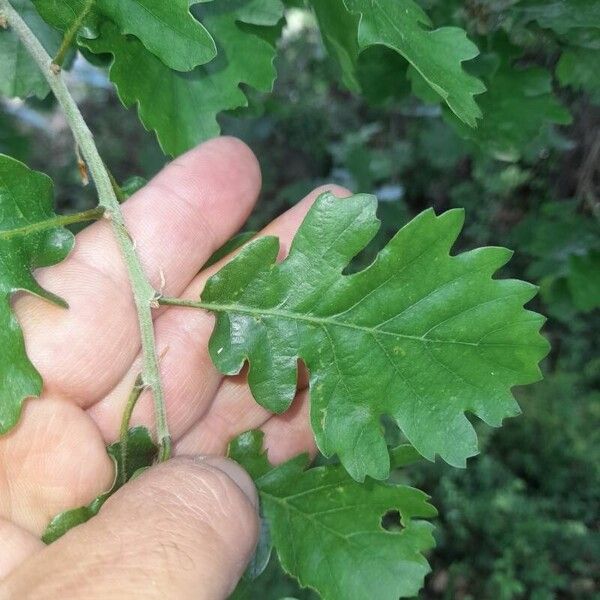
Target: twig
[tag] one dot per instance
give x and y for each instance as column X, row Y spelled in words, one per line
column 143, row 293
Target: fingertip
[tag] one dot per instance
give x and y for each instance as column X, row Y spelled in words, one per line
column 222, row 162
column 333, row 188
column 235, row 472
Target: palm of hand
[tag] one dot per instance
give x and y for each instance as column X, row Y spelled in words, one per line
column 55, row 459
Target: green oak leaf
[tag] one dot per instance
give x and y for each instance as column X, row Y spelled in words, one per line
column 420, row 335
column 19, row 74
column 141, row 453
column 28, row 239
column 517, row 105
column 327, row 528
column 182, row 107
column 351, row 26
column 167, row 29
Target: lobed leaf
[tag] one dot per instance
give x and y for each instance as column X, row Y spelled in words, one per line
column 182, row 107
column 63, row 14
column 564, row 249
column 328, row 532
column 420, row 335
column 351, row 26
column 167, row 29
column 28, row 239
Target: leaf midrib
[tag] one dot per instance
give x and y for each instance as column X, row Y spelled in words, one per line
column 330, row 321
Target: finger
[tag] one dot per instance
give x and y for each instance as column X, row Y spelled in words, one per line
column 286, row 435
column 190, row 379
column 53, row 461
column 290, row 434
column 232, row 412
column 176, row 222
column 17, row 545
column 184, row 529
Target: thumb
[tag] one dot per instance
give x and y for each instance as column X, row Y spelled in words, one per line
column 184, row 529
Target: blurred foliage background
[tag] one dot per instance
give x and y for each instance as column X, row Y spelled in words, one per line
column 523, row 520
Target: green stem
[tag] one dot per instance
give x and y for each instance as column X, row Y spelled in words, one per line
column 70, row 34
column 144, row 294
column 166, row 301
column 136, row 392
column 58, row 221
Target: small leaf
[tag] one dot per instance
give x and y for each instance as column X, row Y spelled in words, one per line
column 351, row 26
column 132, row 185
column 420, row 335
column 141, row 453
column 20, row 76
column 262, row 553
column 182, row 107
column 28, row 239
column 327, row 529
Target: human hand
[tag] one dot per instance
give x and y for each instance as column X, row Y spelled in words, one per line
column 186, row 528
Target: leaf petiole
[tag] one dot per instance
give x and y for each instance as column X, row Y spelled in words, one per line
column 71, row 33
column 60, row 221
